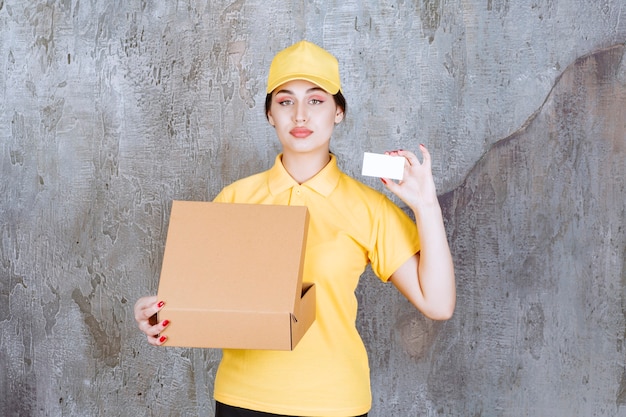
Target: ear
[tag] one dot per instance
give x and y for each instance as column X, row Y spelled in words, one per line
column 338, row 115
column 270, row 119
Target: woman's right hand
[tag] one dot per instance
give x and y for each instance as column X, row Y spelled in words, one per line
column 145, row 315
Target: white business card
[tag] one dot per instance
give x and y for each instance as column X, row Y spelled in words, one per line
column 383, row 166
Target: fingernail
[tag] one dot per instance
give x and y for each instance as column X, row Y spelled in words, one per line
column 383, row 180
column 161, row 304
column 165, row 323
column 422, row 145
column 162, row 339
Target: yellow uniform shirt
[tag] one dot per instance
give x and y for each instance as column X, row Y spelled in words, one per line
column 350, row 225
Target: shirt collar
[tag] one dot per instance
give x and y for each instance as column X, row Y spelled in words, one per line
column 324, row 182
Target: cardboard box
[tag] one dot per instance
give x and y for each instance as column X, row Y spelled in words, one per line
column 232, row 276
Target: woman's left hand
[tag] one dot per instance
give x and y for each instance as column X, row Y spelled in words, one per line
column 417, row 187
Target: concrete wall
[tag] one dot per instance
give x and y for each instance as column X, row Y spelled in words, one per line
column 112, row 109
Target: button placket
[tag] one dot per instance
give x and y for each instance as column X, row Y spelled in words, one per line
column 297, row 196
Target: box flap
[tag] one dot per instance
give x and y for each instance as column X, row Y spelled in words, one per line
column 241, row 330
column 232, row 330
column 305, row 314
column 234, row 257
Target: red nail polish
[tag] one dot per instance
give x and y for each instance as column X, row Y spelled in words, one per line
column 383, row 180
column 165, row 323
column 161, row 304
column 162, row 339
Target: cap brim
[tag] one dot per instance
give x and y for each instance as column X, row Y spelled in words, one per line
column 324, row 84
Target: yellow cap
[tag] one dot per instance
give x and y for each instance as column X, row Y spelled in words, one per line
column 305, row 61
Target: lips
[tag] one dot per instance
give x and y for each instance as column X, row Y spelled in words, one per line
column 300, row 132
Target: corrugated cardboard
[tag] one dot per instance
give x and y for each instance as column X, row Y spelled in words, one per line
column 232, row 276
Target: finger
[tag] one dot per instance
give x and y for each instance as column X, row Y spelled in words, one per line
column 146, row 307
column 425, row 154
column 409, row 156
column 149, row 330
column 143, row 303
column 156, row 340
column 393, row 153
column 390, row 184
column 153, row 333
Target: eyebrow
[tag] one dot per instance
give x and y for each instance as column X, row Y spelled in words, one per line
column 310, row 90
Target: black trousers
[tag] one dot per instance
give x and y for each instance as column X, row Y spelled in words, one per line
column 223, row 410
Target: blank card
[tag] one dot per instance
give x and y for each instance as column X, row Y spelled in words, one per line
column 383, row 166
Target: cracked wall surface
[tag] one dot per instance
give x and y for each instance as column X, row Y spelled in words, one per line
column 110, row 110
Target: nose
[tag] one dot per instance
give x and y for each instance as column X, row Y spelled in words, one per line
column 300, row 115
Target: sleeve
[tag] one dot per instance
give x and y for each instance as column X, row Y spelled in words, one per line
column 224, row 196
column 394, row 239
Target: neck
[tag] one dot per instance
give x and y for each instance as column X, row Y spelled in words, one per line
column 303, row 167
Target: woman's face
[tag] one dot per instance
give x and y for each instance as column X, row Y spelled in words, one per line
column 304, row 116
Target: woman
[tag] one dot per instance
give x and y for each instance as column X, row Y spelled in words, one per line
column 351, row 226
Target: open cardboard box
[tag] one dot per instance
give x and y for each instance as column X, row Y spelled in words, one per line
column 232, row 276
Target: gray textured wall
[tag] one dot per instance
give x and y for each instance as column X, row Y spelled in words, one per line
column 112, row 109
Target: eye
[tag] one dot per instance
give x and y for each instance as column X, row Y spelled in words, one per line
column 284, row 101
column 316, row 101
